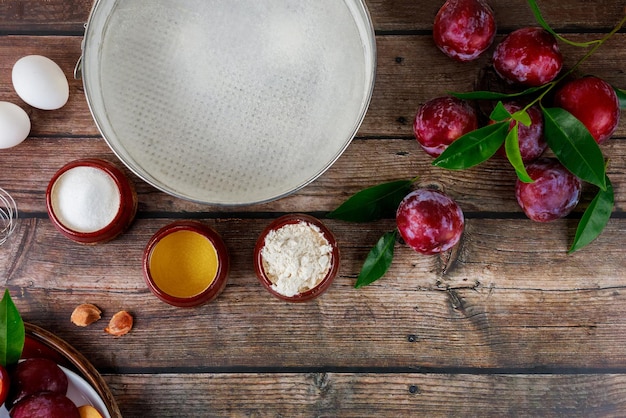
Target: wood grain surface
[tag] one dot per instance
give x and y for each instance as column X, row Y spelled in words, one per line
column 506, row 324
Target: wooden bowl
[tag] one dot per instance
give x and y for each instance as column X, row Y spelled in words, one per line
column 42, row 343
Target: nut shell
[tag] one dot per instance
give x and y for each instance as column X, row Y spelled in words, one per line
column 85, row 314
column 120, row 324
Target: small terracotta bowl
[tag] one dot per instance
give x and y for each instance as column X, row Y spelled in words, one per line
column 119, row 220
column 197, row 242
column 324, row 284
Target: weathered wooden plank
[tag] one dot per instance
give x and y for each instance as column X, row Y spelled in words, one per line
column 367, row 395
column 513, row 299
column 410, row 71
column 514, row 246
column 554, row 332
column 63, row 15
column 488, row 188
column 44, row 16
column 389, row 15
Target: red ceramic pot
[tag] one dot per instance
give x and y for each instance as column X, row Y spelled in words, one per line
column 323, row 284
column 58, row 199
column 171, row 284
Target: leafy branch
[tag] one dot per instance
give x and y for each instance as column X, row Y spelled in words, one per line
column 567, row 137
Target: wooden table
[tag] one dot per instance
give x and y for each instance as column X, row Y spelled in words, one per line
column 507, row 325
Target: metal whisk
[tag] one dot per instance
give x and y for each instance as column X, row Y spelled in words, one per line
column 8, row 215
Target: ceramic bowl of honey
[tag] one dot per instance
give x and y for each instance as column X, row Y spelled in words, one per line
column 186, row 264
column 91, row 201
column 296, row 258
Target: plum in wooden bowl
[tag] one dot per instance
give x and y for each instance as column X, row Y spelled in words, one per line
column 55, row 378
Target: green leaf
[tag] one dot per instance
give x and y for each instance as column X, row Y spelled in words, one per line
column 474, row 147
column 511, row 145
column 373, row 203
column 522, row 117
column 492, row 95
column 12, row 332
column 499, row 113
column 621, row 95
column 574, row 146
column 378, row 260
column 544, row 24
column 595, row 218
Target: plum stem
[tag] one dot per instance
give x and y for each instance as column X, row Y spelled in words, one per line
column 538, row 16
column 596, row 44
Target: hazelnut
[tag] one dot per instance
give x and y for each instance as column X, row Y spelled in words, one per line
column 120, row 324
column 85, row 314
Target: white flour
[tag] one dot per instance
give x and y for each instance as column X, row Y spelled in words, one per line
column 296, row 257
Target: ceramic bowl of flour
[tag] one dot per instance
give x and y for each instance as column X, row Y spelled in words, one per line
column 91, row 201
column 296, row 258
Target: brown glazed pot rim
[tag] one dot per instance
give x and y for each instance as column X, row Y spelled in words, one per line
column 324, row 284
column 219, row 282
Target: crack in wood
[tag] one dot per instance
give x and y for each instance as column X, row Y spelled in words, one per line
column 449, row 260
column 22, row 248
column 320, row 380
column 455, row 300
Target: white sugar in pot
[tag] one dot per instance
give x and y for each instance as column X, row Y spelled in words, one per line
column 228, row 102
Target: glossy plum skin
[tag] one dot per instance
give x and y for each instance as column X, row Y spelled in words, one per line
column 429, row 221
column 441, row 121
column 4, row 384
column 45, row 405
column 528, row 56
column 464, row 29
column 532, row 143
column 554, row 193
column 593, row 102
column 36, row 375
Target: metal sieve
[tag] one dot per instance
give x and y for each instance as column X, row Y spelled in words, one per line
column 228, row 102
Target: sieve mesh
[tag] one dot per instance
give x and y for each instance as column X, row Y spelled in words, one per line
column 229, row 102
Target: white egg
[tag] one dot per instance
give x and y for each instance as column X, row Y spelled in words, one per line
column 14, row 125
column 40, row 82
